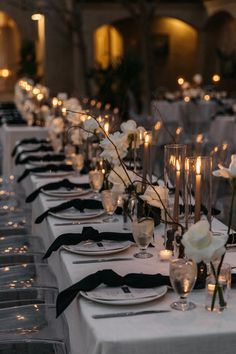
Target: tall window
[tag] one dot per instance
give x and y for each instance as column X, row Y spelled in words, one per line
column 108, row 45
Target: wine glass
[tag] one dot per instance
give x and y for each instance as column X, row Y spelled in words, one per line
column 77, row 163
column 143, row 230
column 109, row 202
column 96, row 181
column 183, row 275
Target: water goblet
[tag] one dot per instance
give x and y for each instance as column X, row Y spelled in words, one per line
column 96, row 181
column 183, row 275
column 77, row 163
column 143, row 230
column 109, row 202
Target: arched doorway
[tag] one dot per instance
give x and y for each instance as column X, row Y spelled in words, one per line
column 108, row 45
column 220, row 45
column 9, row 52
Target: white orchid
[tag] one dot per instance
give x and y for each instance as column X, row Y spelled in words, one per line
column 119, row 178
column 90, row 125
column 156, row 196
column 201, row 245
column 227, row 172
column 57, row 125
column 109, row 152
column 129, row 127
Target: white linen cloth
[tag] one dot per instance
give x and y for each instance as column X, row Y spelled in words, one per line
column 8, row 138
column 197, row 331
column 223, row 130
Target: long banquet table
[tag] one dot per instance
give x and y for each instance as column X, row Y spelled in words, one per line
column 196, row 331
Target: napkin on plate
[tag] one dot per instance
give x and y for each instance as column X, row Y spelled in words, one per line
column 79, row 204
column 88, row 233
column 47, row 168
column 42, row 148
column 54, row 186
column 110, row 278
column 28, row 141
column 44, row 158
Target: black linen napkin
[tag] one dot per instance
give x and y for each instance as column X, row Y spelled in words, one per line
column 42, row 148
column 204, row 210
column 231, row 239
column 28, row 141
column 110, row 278
column 79, row 204
column 44, row 158
column 88, row 233
column 54, row 186
column 50, row 167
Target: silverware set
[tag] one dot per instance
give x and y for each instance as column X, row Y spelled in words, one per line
column 78, row 223
column 129, row 313
column 102, row 260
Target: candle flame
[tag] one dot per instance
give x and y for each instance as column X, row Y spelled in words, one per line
column 147, row 138
column 172, row 160
column 180, row 81
column 207, row 97
column 224, row 146
column 186, row 99
column 198, row 165
column 106, row 127
column 199, row 138
column 177, row 165
column 158, row 126
column 178, row 130
column 54, row 101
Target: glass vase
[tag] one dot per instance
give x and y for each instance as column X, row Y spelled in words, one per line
column 217, row 294
column 129, row 210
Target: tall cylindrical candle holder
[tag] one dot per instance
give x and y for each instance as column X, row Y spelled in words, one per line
column 198, row 171
column 147, row 165
column 174, row 178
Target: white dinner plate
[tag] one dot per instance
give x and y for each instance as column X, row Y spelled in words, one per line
column 63, row 192
column 159, row 292
column 53, row 174
column 74, row 214
column 44, row 163
column 88, row 248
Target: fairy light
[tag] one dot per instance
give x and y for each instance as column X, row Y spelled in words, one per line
column 180, row 81
column 186, row 99
column 216, row 78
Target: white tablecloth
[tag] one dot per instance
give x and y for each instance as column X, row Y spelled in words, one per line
column 10, row 135
column 223, row 130
column 195, row 332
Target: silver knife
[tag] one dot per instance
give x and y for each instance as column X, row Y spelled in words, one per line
column 129, row 313
column 101, row 260
column 78, row 223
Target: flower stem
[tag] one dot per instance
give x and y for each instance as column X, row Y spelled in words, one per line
column 232, row 205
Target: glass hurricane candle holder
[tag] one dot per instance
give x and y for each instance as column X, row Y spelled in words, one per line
column 198, row 172
column 174, row 178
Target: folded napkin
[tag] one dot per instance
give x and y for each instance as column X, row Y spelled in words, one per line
column 54, row 186
column 79, row 204
column 50, row 167
column 42, row 148
column 28, row 141
column 110, row 278
column 44, row 158
column 88, row 233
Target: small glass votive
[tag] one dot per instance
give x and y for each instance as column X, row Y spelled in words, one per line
column 165, row 255
column 222, row 294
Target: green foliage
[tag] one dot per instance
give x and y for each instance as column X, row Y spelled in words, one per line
column 118, row 81
column 28, row 64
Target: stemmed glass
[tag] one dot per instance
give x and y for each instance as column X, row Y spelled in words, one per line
column 183, row 275
column 109, row 202
column 77, row 163
column 143, row 230
column 96, row 178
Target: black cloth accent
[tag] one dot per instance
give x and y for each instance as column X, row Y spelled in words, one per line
column 50, row 167
column 28, row 141
column 88, row 233
column 43, row 158
column 79, row 204
column 204, row 210
column 42, row 148
column 112, row 279
column 54, row 186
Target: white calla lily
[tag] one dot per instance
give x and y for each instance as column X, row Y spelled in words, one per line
column 201, row 245
column 156, row 196
column 227, row 172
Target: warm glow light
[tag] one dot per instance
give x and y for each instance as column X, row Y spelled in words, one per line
column 5, row 73
column 177, row 165
column 224, row 146
column 40, row 97
column 178, row 130
column 36, row 17
column 198, row 165
column 216, row 149
column 63, row 111
column 172, row 160
column 36, row 91
column 207, row 97
column 157, row 126
column 216, row 78
column 186, row 99
column 106, row 128
column 147, row 138
column 180, row 81
column 107, row 106
column 93, row 102
column 199, row 138
column 55, row 101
